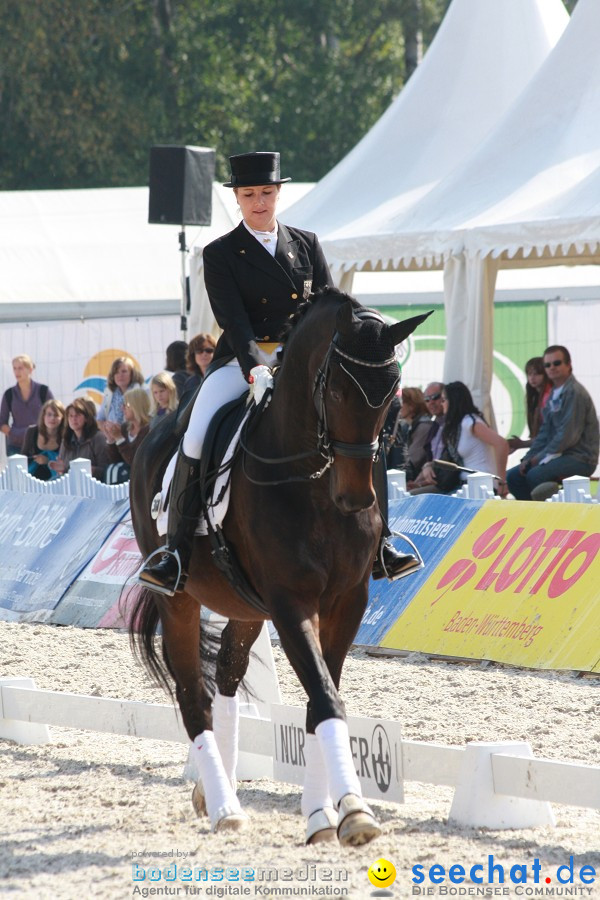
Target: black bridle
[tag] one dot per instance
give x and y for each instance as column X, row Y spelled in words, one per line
column 326, row 446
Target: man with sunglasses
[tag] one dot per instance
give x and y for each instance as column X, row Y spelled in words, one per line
column 568, row 440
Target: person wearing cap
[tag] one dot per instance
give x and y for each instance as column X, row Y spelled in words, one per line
column 255, row 276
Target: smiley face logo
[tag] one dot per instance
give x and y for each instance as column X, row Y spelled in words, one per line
column 382, row 873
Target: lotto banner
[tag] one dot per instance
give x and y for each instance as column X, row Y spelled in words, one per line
column 521, row 585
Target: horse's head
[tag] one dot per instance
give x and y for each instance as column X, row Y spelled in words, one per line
column 353, row 392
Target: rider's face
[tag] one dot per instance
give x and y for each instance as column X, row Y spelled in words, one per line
column 258, row 205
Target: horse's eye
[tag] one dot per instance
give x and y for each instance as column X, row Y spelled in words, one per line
column 336, row 396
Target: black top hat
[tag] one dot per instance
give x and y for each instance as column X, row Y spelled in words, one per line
column 249, row 169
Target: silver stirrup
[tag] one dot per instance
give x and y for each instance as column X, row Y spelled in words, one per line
column 415, row 553
column 156, row 587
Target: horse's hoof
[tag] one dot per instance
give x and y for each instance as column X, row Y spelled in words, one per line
column 321, row 826
column 199, row 800
column 356, row 823
column 229, row 818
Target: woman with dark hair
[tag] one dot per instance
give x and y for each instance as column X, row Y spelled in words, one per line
column 481, row 448
column 123, row 374
column 176, row 364
column 537, row 390
column 42, row 441
column 82, row 439
column 201, row 350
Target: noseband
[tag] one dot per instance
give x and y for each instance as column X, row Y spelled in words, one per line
column 326, row 446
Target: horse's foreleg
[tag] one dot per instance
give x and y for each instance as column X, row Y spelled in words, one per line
column 300, row 639
column 180, row 618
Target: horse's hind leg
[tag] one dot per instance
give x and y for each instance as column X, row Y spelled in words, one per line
column 180, row 618
column 237, row 639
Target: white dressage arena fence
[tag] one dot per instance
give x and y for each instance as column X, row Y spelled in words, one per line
column 480, row 486
column 77, row 482
column 496, row 785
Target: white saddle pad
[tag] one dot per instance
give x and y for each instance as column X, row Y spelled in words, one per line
column 222, row 490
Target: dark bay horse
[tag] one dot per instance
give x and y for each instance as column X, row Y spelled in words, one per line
column 305, row 531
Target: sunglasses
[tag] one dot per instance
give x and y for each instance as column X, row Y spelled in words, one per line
column 205, row 350
column 432, row 397
column 555, row 362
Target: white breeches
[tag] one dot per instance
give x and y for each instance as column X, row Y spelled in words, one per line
column 222, row 386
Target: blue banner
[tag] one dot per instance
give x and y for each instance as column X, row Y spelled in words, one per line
column 45, row 542
column 433, row 522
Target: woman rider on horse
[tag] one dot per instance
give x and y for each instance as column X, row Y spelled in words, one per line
column 255, row 278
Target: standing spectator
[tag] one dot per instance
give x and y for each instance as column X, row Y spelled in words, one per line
column 123, row 374
column 417, row 422
column 568, row 440
column 21, row 404
column 82, row 439
column 176, row 364
column 200, row 354
column 537, row 391
column 42, row 441
column 164, row 397
column 124, row 440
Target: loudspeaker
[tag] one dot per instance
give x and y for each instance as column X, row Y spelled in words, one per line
column 181, row 180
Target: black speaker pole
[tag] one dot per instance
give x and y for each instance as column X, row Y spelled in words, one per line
column 183, row 250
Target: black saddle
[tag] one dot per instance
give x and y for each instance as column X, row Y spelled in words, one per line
column 219, row 435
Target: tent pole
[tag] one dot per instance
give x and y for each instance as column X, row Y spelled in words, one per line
column 184, row 292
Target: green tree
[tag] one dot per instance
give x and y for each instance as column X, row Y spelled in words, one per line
column 87, row 86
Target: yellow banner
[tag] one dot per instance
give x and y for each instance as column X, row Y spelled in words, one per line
column 521, row 585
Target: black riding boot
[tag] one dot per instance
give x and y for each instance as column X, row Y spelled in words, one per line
column 388, row 562
column 168, row 574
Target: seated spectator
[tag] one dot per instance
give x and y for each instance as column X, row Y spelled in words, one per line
column 164, row 397
column 82, row 439
column 417, row 428
column 21, row 404
column 568, row 440
column 123, row 374
column 176, row 364
column 393, row 436
column 42, row 441
column 537, row 391
column 124, row 440
column 424, row 482
column 201, row 350
column 472, row 441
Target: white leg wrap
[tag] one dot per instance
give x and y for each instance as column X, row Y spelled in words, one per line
column 315, row 794
column 226, row 716
column 334, row 741
column 221, row 800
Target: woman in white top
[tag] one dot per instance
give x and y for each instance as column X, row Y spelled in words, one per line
column 480, row 447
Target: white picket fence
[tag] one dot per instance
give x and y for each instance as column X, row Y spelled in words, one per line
column 497, row 785
column 480, row 486
column 77, row 482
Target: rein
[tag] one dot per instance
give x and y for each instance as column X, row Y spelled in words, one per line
column 326, row 446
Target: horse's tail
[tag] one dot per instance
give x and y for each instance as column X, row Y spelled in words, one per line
column 143, row 627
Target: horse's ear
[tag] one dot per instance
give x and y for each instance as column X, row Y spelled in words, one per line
column 344, row 318
column 401, row 330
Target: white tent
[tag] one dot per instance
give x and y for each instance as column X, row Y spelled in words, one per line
column 529, row 196
column 483, row 55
